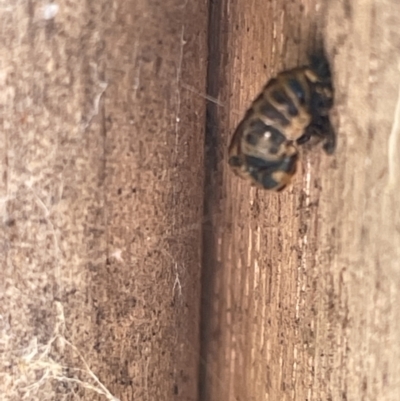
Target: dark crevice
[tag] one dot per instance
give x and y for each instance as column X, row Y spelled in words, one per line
column 217, row 48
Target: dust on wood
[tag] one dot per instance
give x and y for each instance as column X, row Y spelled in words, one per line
column 101, row 197
column 102, row 188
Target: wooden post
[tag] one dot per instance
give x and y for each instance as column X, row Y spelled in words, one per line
column 103, row 110
column 306, row 283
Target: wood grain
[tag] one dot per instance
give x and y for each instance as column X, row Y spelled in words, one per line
column 101, row 195
column 102, row 187
column 306, row 283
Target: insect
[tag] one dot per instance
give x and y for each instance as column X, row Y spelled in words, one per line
column 293, row 107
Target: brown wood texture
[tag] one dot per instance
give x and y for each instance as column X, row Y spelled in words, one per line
column 101, row 198
column 103, row 113
column 303, row 294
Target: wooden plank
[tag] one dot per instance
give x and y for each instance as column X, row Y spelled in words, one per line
column 102, row 192
column 306, row 283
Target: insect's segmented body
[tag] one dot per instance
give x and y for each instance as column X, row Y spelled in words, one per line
column 291, row 108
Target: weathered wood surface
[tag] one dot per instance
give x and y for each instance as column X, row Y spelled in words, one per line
column 305, row 285
column 101, row 201
column 101, row 198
